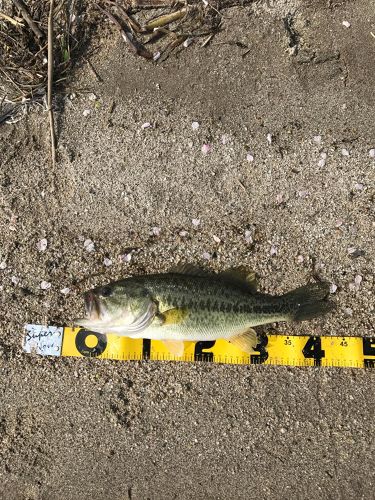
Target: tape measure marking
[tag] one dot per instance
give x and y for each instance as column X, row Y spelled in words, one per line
column 273, row 349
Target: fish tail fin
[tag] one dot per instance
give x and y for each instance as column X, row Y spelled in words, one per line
column 308, row 302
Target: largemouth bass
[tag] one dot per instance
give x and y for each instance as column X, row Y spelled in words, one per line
column 189, row 304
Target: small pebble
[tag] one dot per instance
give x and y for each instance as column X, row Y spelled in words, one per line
column 14, row 280
column 107, row 262
column 358, row 280
column 269, row 138
column 183, row 233
column 145, row 125
column 89, row 245
column 196, row 222
column 45, row 285
column 358, row 186
column 300, row 259
column 206, row 148
column 3, row 265
column 86, row 112
column 224, row 139
column 273, row 250
column 42, row 245
column 249, row 157
column 338, row 223
column 126, row 258
column 346, row 24
column 345, row 152
column 206, row 256
column 92, row 97
column 65, row 291
column 279, row 198
column 351, row 250
column 156, row 56
column 317, row 139
column 371, row 153
column 248, row 236
column 216, row 239
column 195, row 125
column 333, row 288
column 348, row 311
column 303, row 194
column 322, row 161
column 155, row 231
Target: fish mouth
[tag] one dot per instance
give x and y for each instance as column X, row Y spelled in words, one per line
column 92, row 306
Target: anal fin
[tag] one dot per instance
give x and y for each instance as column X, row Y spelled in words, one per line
column 246, row 341
column 175, row 347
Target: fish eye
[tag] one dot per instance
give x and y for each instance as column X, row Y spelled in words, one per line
column 106, row 291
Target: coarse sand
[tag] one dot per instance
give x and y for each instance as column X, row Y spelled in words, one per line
column 213, row 158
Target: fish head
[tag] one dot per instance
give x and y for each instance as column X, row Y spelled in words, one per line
column 124, row 306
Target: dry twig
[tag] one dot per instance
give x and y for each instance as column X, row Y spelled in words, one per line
column 25, row 14
column 50, row 83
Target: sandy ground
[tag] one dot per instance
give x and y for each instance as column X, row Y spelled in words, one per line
column 86, row 429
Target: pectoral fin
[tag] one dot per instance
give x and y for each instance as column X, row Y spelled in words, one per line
column 172, row 316
column 175, row 347
column 246, row 341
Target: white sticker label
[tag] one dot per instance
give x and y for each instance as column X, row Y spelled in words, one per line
column 44, row 340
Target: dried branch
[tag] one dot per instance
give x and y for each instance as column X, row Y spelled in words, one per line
column 50, row 83
column 25, row 14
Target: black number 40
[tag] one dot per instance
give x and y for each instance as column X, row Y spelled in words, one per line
column 313, row 349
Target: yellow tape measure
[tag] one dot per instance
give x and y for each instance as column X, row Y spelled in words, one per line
column 274, row 349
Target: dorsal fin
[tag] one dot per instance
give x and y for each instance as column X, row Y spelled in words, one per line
column 190, row 269
column 241, row 277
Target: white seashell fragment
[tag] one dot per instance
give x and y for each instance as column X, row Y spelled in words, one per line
column 42, row 245
column 273, row 250
column 45, row 285
column 333, row 288
column 126, row 258
column 89, row 245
